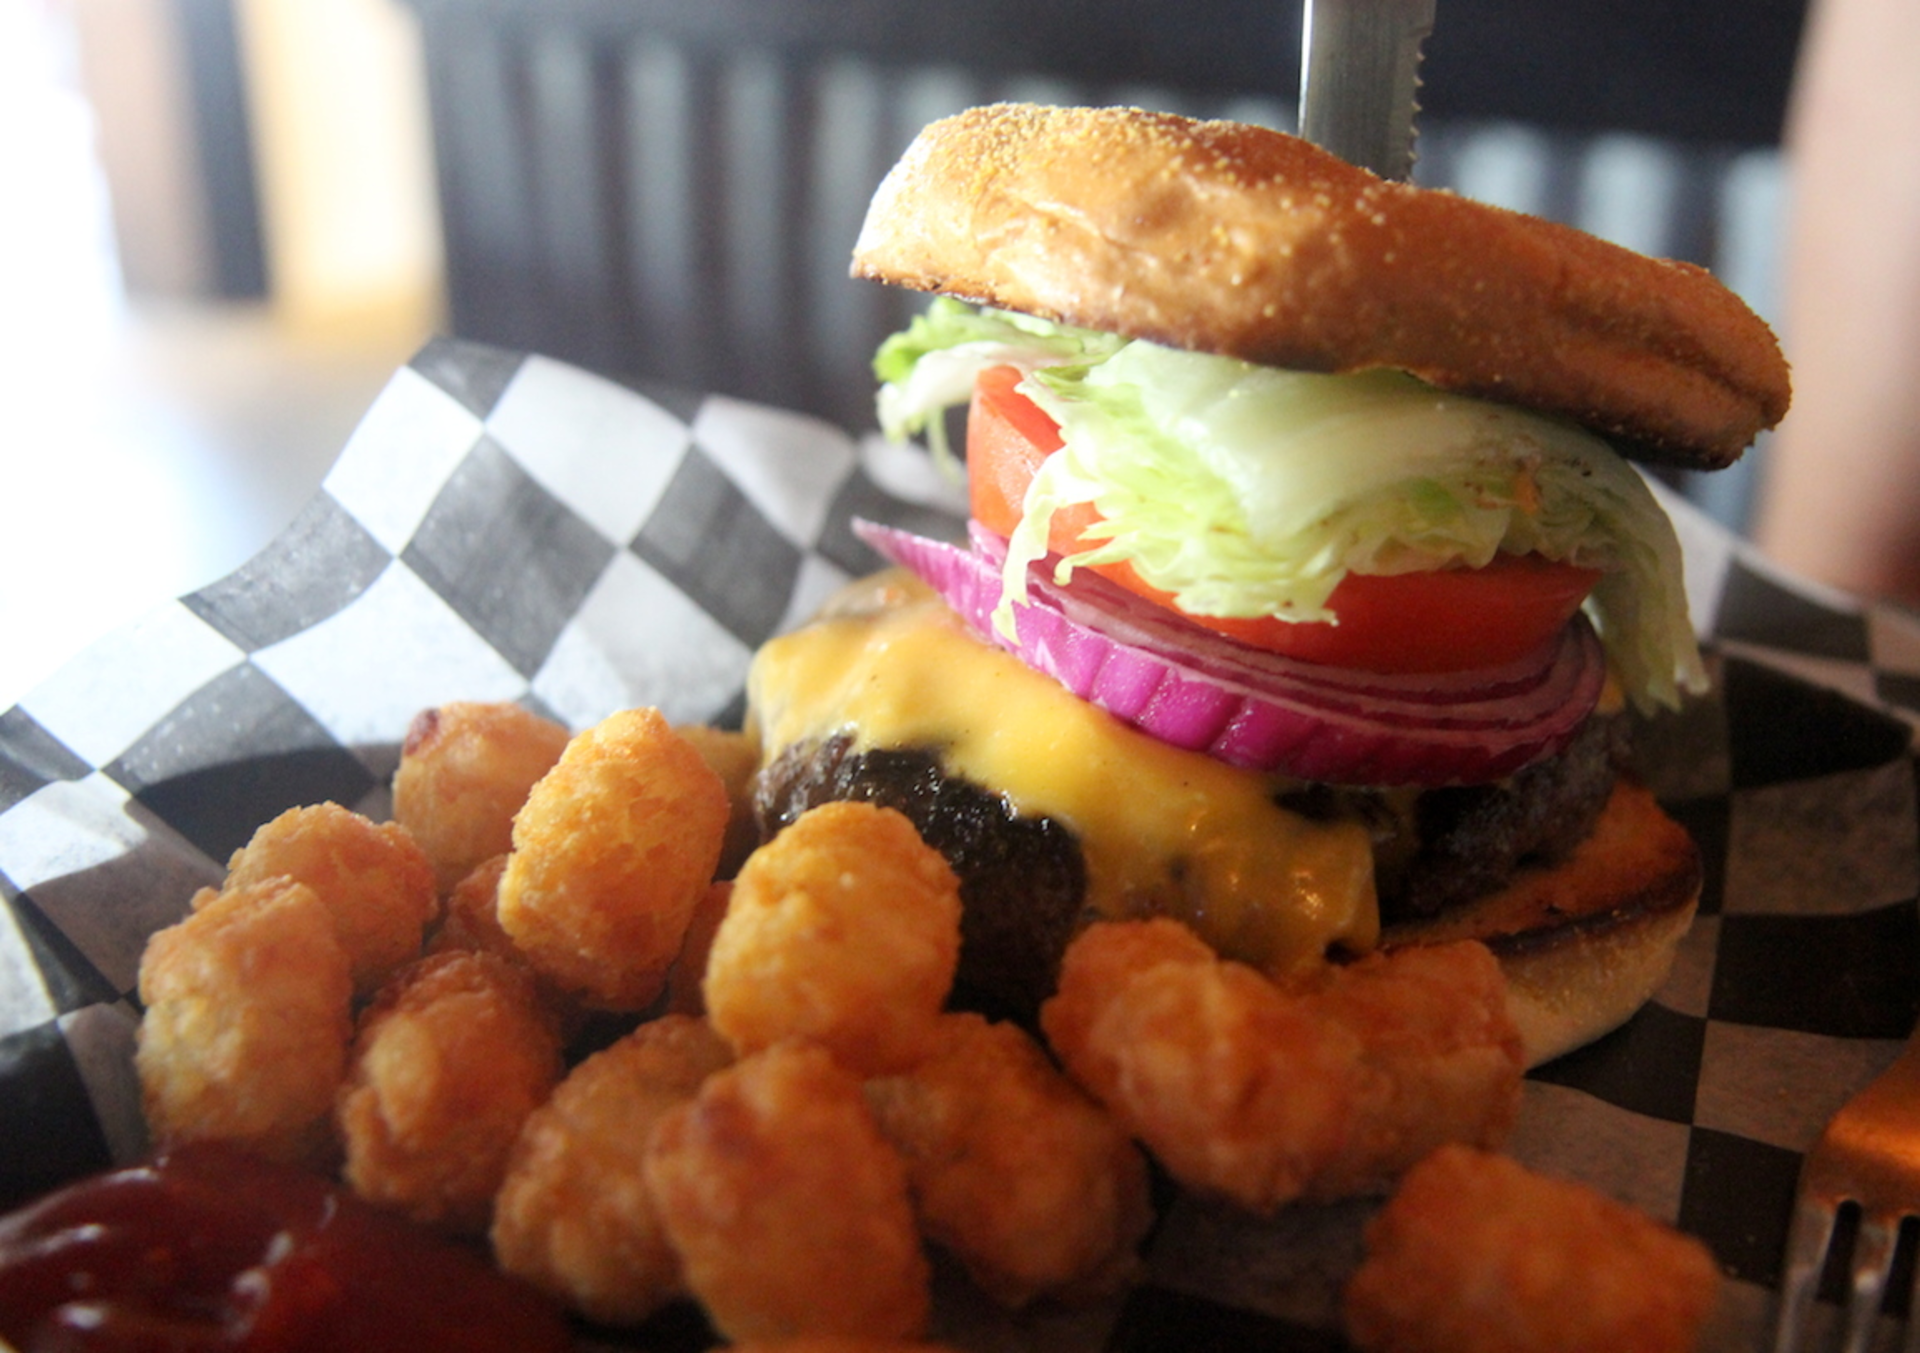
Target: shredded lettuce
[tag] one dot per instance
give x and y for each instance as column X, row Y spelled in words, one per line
column 929, row 367
column 1246, row 490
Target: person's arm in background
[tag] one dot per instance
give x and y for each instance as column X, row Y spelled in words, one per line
column 1840, row 497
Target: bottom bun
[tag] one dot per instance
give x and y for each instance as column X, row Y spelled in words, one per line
column 1586, row 942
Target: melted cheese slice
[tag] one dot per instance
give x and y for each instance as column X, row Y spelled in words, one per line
column 1163, row 831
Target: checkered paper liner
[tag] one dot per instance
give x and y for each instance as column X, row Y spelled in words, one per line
column 503, row 526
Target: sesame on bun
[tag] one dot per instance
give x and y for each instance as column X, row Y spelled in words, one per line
column 1233, row 239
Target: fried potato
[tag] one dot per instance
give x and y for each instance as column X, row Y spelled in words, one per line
column 574, row 1216
column 845, row 929
column 1027, row 1181
column 372, row 876
column 470, row 919
column 1265, row 1094
column 611, row 852
column 248, row 1014
column 449, row 1060
column 689, row 969
column 1237, row 1090
column 1476, row 1254
column 789, row 1210
column 734, row 757
column 1443, row 1061
column 465, row 769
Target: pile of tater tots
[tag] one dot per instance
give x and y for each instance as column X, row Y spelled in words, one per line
column 567, row 1005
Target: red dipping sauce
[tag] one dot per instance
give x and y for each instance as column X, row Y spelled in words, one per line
column 205, row 1247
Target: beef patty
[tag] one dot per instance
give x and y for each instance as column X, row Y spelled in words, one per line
column 1023, row 881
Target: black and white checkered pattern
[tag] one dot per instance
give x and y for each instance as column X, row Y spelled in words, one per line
column 508, row 527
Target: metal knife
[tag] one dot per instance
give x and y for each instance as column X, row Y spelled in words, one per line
column 1360, row 79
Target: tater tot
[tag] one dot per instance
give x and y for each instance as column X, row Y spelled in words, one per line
column 465, row 769
column 372, row 876
column 684, row 996
column 447, row 1063
column 789, row 1210
column 1476, row 1254
column 734, row 757
column 470, row 921
column 1267, row 1094
column 1236, row 1089
column 1445, row 1059
column 845, row 929
column 248, row 1015
column 574, row 1216
column 1027, row 1181
column 612, row 851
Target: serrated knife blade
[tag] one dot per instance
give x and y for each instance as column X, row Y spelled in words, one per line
column 1360, row 79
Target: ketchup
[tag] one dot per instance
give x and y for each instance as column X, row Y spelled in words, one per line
column 207, row 1248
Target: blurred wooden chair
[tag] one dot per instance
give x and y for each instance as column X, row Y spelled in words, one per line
column 668, row 189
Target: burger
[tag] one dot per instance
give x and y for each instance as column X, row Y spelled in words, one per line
column 1308, row 593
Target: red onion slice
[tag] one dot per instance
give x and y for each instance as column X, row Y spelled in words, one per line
column 1201, row 691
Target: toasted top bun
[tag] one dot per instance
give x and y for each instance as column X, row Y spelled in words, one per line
column 1233, row 239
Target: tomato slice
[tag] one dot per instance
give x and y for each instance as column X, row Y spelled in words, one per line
column 1447, row 620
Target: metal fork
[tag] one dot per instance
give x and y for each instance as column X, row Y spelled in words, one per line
column 1868, row 1157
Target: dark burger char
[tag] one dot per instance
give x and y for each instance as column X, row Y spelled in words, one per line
column 1023, row 880
column 1445, row 847
column 1474, row 839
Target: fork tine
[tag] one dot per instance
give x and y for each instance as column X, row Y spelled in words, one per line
column 1872, row 1262
column 1869, row 1154
column 1907, row 1231
column 1807, row 1242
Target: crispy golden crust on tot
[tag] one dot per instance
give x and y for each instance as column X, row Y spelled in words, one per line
column 1441, row 1050
column 470, row 921
column 1236, row 1090
column 734, row 757
column 1476, row 1254
column 1585, row 942
column 1234, row 239
column 373, row 877
column 1026, row 1180
column 471, row 918
column 248, row 1016
column 684, row 995
column 448, row 1061
column 611, row 853
column 465, row 769
column 789, row 1210
column 1265, row 1093
column 843, row 929
column 574, row 1215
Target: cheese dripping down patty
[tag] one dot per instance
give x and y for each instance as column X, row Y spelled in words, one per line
column 1163, row 831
